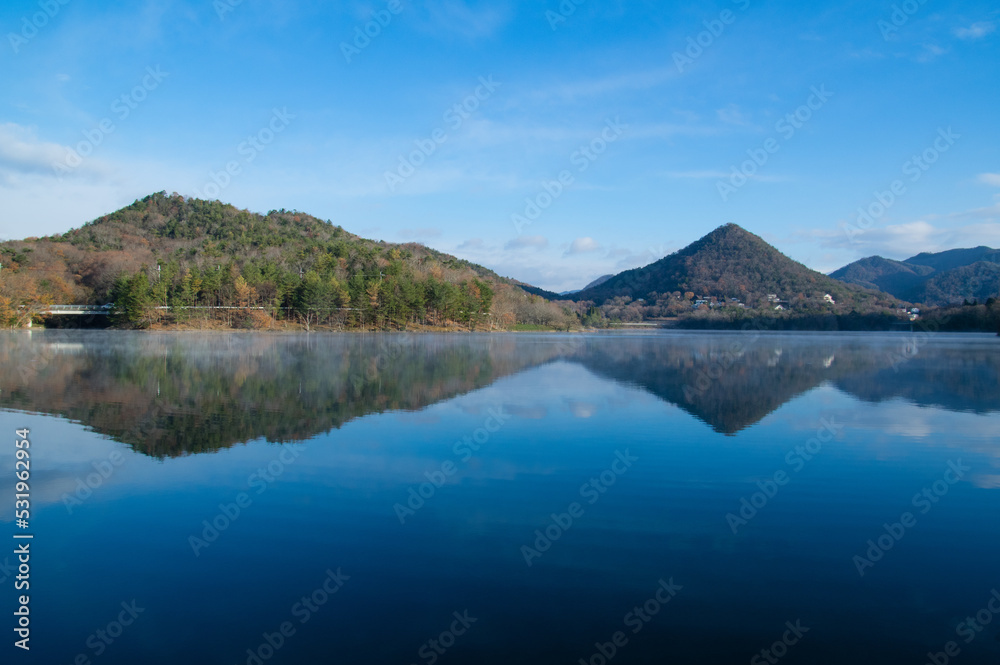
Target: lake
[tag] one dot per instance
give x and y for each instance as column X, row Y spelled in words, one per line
column 657, row 497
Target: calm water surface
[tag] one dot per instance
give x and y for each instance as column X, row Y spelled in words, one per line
column 505, row 499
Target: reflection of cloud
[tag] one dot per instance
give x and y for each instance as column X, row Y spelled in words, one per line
column 583, row 409
column 986, row 481
column 528, row 412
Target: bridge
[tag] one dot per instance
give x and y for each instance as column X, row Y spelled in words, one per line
column 77, row 309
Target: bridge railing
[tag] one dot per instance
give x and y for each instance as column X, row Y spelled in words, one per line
column 78, row 308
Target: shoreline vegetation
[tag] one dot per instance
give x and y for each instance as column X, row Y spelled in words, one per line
column 971, row 318
column 168, row 262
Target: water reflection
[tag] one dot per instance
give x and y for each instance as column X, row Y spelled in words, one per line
column 167, row 395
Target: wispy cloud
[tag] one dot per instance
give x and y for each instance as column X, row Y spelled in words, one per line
column 21, row 150
column 470, row 22
column 706, row 174
column 975, row 31
column 732, row 115
column 527, row 242
column 472, row 243
column 904, row 240
column 989, row 179
column 930, row 52
column 606, row 85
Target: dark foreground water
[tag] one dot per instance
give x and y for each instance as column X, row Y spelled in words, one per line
column 660, row 498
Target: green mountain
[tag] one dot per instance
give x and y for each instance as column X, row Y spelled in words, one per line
column 955, row 258
column 168, row 252
column 731, row 263
column 875, row 272
column 935, row 279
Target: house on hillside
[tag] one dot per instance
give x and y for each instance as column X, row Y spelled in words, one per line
column 828, row 298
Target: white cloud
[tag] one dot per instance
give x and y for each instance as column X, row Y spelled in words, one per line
column 900, row 241
column 22, row 152
column 930, row 52
column 989, row 179
column 975, row 31
column 583, row 246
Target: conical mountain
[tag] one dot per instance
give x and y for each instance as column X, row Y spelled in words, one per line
column 729, row 262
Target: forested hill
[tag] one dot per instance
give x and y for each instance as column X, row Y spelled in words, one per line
column 732, row 264
column 177, row 252
column 933, row 279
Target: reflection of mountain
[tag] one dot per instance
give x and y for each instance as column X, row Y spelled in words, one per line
column 729, row 382
column 733, row 381
column 167, row 395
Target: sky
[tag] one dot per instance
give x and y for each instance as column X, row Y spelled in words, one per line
column 553, row 142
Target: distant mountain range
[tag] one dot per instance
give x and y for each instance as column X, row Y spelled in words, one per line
column 185, row 252
column 944, row 278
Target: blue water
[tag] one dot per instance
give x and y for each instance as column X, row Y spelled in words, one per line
column 416, row 478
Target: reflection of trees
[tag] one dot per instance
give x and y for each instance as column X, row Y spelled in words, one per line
column 167, row 395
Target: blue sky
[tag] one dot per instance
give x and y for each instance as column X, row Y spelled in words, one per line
column 588, row 138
